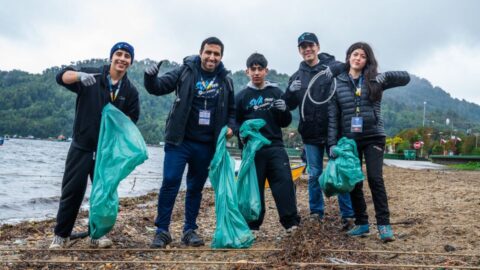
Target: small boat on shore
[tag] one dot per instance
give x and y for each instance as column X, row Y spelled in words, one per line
column 297, row 171
column 296, row 168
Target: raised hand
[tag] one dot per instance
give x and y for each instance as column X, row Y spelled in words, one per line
column 295, row 86
column 87, row 79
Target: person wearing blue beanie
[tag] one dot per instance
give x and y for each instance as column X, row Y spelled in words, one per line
column 94, row 87
column 123, row 46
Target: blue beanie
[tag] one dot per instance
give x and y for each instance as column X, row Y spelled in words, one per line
column 122, row 46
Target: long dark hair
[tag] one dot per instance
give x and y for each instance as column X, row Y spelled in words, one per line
column 370, row 70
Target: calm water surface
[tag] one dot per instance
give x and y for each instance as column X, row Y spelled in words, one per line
column 31, row 175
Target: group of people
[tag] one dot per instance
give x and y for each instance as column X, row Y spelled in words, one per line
column 334, row 100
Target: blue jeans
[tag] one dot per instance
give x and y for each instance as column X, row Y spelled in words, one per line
column 198, row 156
column 315, row 196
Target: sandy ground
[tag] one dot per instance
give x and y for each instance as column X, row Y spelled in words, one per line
column 431, row 211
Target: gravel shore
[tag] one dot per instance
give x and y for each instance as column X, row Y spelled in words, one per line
column 435, row 216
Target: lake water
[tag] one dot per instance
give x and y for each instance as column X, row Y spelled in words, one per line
column 31, row 176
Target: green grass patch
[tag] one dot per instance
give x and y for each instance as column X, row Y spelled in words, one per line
column 470, row 166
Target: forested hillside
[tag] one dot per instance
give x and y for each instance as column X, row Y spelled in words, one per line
column 33, row 104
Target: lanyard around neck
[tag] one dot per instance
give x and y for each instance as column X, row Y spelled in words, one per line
column 358, row 93
column 113, row 95
column 358, row 87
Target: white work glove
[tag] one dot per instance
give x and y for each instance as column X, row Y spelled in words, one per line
column 381, row 78
column 280, row 105
column 295, row 86
column 152, row 70
column 87, row 79
column 331, row 153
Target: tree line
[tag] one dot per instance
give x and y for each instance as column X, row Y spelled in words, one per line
column 33, row 104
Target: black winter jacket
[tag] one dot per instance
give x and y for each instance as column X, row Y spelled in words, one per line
column 342, row 107
column 90, row 102
column 182, row 80
column 313, row 127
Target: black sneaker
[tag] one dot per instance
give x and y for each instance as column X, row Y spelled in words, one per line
column 191, row 238
column 161, row 240
column 348, row 224
column 315, row 217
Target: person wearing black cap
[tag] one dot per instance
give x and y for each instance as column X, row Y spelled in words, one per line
column 95, row 88
column 261, row 99
column 309, row 90
column 204, row 104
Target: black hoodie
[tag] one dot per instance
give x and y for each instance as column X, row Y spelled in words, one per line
column 254, row 103
column 90, row 102
column 313, row 126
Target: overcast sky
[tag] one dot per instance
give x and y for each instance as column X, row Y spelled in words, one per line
column 435, row 39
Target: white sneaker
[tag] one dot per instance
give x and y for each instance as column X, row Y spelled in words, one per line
column 292, row 229
column 102, row 242
column 59, row 242
column 255, row 233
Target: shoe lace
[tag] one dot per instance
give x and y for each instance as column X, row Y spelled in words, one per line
column 163, row 237
column 59, row 240
column 191, row 235
column 383, row 229
column 358, row 228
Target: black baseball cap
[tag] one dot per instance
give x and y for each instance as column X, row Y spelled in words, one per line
column 307, row 37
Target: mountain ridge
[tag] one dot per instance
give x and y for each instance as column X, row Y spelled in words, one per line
column 33, row 104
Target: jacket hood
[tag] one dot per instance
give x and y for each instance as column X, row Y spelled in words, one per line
column 265, row 85
column 325, row 60
column 194, row 61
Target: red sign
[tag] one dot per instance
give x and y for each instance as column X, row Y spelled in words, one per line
column 417, row 145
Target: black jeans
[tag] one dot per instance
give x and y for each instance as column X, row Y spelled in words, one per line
column 372, row 149
column 272, row 163
column 78, row 166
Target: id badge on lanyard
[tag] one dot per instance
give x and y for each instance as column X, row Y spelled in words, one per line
column 357, row 121
column 357, row 124
column 204, row 118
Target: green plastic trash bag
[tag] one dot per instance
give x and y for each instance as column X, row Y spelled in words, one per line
column 344, row 172
column 232, row 230
column 120, row 149
column 248, row 191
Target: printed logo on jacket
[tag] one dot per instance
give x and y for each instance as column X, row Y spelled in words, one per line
column 260, row 103
column 207, row 88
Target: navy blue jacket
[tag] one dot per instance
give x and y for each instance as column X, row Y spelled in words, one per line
column 182, row 80
column 313, row 127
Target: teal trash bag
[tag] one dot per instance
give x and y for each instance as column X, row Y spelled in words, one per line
column 120, row 149
column 232, row 230
column 248, row 191
column 344, row 172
